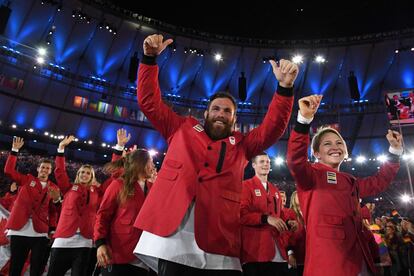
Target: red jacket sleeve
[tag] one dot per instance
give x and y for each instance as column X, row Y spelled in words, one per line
column 379, row 182
column 287, row 214
column 273, row 125
column 297, row 160
column 248, row 216
column 10, row 169
column 158, row 113
column 107, row 211
column 61, row 175
column 7, row 200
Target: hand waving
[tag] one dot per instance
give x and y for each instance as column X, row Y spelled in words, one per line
column 17, row 143
column 66, row 141
column 122, row 137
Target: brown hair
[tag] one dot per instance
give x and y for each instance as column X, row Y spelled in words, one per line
column 134, row 165
column 222, row 95
column 260, row 154
column 45, row 160
column 316, row 140
column 86, row 166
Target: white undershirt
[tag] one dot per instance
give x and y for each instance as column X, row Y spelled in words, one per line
column 181, row 247
column 75, row 241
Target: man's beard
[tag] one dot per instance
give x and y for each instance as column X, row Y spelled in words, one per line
column 216, row 133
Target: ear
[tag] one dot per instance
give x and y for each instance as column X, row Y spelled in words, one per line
column 205, row 115
column 317, row 155
column 253, row 165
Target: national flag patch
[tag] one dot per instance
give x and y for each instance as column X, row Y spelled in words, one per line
column 257, row 192
column 198, row 127
column 331, row 177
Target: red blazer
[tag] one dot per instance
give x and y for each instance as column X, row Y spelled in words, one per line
column 32, row 201
column 196, row 167
column 297, row 242
column 329, row 200
column 79, row 206
column 114, row 223
column 8, row 200
column 258, row 237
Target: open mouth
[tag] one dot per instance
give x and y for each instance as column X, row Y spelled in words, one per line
column 219, row 123
column 335, row 154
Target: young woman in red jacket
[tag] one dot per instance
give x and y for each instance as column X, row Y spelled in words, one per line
column 114, row 232
column 335, row 240
column 74, row 234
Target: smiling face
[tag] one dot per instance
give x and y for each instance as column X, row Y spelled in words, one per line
column 44, row 170
column 220, row 118
column 331, row 151
column 85, row 175
column 261, row 165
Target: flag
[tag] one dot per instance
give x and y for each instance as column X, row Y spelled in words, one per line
column 93, row 106
column 80, row 102
column 125, row 113
column 118, row 110
column 104, row 107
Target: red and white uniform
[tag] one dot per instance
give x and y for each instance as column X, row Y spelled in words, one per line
column 258, row 237
column 329, row 199
column 197, row 167
column 114, row 224
column 32, row 200
column 79, row 206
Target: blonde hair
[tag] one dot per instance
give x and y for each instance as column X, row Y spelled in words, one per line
column 295, row 206
column 86, row 166
column 316, row 140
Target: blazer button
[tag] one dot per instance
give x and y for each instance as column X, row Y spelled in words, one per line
column 354, row 213
column 209, row 147
column 200, row 179
column 206, row 164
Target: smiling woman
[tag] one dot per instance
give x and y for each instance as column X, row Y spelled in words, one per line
column 329, row 199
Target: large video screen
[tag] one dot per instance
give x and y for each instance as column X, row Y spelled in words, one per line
column 400, row 107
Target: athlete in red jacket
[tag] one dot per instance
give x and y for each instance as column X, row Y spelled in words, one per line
column 114, row 231
column 264, row 231
column 199, row 184
column 329, row 199
column 33, row 214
